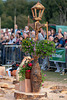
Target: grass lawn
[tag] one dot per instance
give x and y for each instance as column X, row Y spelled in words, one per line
column 55, row 77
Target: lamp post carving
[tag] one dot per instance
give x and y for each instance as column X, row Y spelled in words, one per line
column 37, row 12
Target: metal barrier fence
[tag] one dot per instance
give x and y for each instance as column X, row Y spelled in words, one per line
column 11, row 54
column 59, row 56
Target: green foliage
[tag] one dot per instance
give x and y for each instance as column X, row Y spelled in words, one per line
column 55, row 12
column 28, row 46
column 45, row 48
column 6, row 21
column 22, row 73
column 43, row 76
column 26, row 67
column 55, row 18
column 22, row 21
column 1, row 7
column 40, row 48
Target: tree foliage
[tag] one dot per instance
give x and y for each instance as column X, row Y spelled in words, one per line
column 55, row 12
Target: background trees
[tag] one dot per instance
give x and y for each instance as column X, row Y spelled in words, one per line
column 55, row 12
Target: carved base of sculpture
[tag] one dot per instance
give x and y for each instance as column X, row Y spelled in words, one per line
column 35, row 76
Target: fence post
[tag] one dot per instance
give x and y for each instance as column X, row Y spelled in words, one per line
column 14, row 23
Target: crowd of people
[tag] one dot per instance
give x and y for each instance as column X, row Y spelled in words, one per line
column 16, row 36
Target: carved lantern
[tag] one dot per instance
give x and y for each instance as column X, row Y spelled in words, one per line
column 37, row 11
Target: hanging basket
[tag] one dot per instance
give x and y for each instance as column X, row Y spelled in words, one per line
column 27, row 74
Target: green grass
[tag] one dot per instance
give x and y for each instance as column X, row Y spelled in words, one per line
column 55, row 77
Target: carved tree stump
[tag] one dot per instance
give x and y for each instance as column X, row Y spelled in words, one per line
column 35, row 76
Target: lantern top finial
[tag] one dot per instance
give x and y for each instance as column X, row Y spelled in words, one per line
column 38, row 6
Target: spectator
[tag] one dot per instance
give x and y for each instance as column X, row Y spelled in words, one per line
column 65, row 33
column 6, row 36
column 60, row 44
column 45, row 61
column 40, row 36
column 3, row 40
column 32, row 35
column 7, row 31
column 12, row 41
column 65, row 37
column 2, row 36
column 56, row 40
column 12, row 31
column 26, row 30
column 49, row 33
column 2, row 31
column 42, row 32
column 17, row 38
column 16, row 29
column 61, row 40
column 56, row 35
column 51, row 38
column 20, row 40
column 53, row 32
column 60, row 30
column 25, row 35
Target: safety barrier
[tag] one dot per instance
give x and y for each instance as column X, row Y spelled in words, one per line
column 59, row 56
column 11, row 54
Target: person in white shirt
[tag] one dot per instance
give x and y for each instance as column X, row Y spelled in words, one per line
column 26, row 32
column 40, row 36
column 12, row 40
column 16, row 29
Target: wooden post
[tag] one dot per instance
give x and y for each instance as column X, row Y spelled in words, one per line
column 28, row 19
column 14, row 23
column 47, row 29
column 0, row 28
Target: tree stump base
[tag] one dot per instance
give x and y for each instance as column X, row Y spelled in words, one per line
column 35, row 76
column 23, row 86
column 29, row 96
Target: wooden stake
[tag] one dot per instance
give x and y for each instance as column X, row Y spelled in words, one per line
column 28, row 19
column 47, row 29
column 14, row 23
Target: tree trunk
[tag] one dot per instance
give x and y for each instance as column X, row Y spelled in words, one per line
column 35, row 76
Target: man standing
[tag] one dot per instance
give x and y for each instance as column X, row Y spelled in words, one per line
column 61, row 40
column 16, row 29
column 61, row 44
